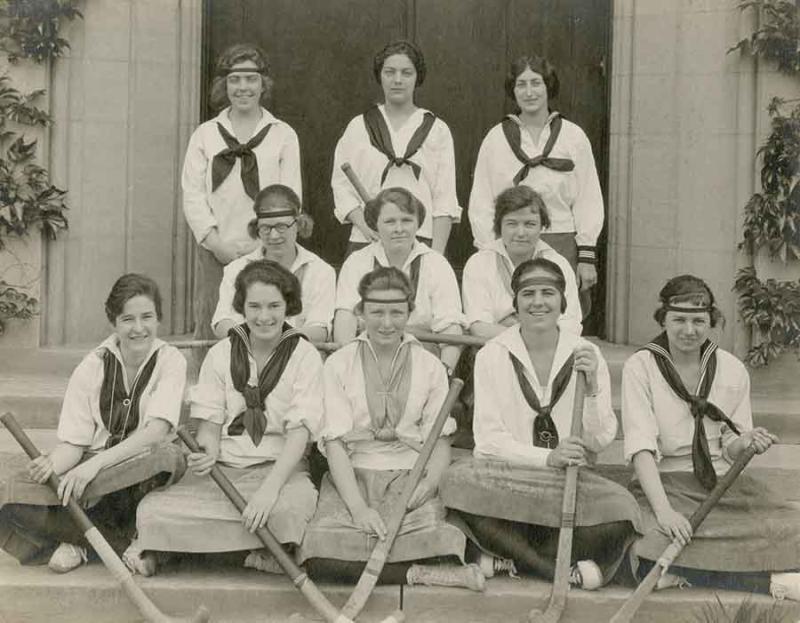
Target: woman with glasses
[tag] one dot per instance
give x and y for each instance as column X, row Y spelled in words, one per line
column 277, row 225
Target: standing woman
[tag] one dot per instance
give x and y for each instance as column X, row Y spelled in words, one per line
column 510, row 494
column 124, row 397
column 228, row 160
column 383, row 392
column 398, row 144
column 686, row 416
column 278, row 223
column 258, row 402
column 539, row 148
column 395, row 215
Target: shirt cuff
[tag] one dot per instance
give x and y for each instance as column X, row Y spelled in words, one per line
column 587, row 254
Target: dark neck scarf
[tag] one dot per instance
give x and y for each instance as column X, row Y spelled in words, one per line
column 414, row 271
column 379, row 137
column 119, row 409
column 699, row 405
column 222, row 163
column 545, row 434
column 512, row 131
column 252, row 419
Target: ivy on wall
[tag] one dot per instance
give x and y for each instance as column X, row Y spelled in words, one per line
column 772, row 216
column 28, row 201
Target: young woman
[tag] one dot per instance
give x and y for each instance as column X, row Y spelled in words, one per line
column 539, row 148
column 520, row 215
column 395, row 214
column 277, row 224
column 228, row 160
column 398, row 144
column 124, row 397
column 686, row 416
column 258, row 402
column 382, row 394
column 510, row 493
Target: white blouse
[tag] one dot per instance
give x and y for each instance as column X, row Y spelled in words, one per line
column 438, row 301
column 486, row 298
column 347, row 413
column 229, row 208
column 296, row 401
column 435, row 188
column 317, row 284
column 502, row 419
column 81, row 423
column 573, row 199
column 655, row 419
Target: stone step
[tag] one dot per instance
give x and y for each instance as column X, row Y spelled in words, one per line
column 234, row 595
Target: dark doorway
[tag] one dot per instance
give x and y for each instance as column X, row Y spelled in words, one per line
column 321, row 54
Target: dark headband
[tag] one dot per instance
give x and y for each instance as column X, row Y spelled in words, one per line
column 700, row 293
column 275, row 213
column 367, row 299
column 245, row 70
column 540, row 281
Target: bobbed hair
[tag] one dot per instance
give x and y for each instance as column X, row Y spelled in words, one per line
column 239, row 53
column 546, row 265
column 402, row 198
column 400, row 46
column 305, row 224
column 385, row 278
column 517, row 198
column 272, row 274
column 537, row 64
column 687, row 289
column 127, row 287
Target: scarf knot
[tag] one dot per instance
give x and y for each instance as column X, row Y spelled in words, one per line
column 380, row 139
column 251, row 397
column 698, row 406
column 223, row 162
column 513, row 137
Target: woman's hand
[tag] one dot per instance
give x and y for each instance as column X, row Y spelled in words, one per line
column 200, row 463
column 760, row 438
column 570, row 451
column 258, row 508
column 369, row 520
column 586, row 362
column 587, row 276
column 675, row 525
column 425, row 491
column 40, row 469
column 75, row 481
column 370, row 234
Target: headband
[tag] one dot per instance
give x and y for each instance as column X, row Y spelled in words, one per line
column 367, row 299
column 708, row 299
column 687, row 310
column 275, row 213
column 540, row 281
column 245, row 70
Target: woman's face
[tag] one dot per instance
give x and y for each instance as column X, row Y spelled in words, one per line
column 539, row 304
column 686, row 331
column 244, row 86
column 530, row 92
column 385, row 322
column 277, row 243
column 136, row 327
column 520, row 231
column 396, row 228
column 398, row 79
column 264, row 311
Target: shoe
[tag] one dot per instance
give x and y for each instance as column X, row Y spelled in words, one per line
column 785, row 586
column 143, row 563
column 466, row 576
column 261, row 560
column 491, row 565
column 586, row 574
column 67, row 557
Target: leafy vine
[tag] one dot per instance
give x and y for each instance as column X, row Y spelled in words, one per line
column 772, row 216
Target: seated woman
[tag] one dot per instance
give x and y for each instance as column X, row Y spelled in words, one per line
column 396, row 215
column 686, row 416
column 258, row 401
column 382, row 395
column 123, row 398
column 277, row 224
column 520, row 215
column 510, row 494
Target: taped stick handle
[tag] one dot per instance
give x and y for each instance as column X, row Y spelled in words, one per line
column 626, row 613
column 353, row 178
column 314, row 596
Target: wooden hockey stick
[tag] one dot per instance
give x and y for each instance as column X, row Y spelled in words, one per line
column 558, row 591
column 299, row 578
column 380, row 554
column 110, row 559
column 626, row 613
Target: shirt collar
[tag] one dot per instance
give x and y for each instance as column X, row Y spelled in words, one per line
column 111, row 343
column 301, row 258
column 418, row 248
column 266, row 118
column 542, row 249
column 511, row 340
column 416, row 116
